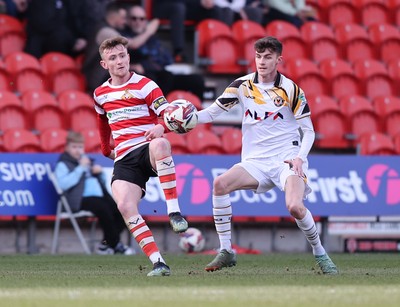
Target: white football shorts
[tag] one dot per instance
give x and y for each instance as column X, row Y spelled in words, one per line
column 273, row 172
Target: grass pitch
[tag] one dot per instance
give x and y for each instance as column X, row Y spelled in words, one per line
column 257, row 280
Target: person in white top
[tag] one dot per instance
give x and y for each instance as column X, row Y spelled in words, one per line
column 273, row 153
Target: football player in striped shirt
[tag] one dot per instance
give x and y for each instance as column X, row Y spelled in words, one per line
column 128, row 107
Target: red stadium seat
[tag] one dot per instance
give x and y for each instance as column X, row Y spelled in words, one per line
column 376, row 144
column 54, row 64
column 12, row 113
column 44, row 111
column 354, row 42
column 321, row 41
column 201, row 141
column 232, row 141
column 394, row 70
column 11, row 42
column 307, row 75
column 360, row 115
column 78, row 109
column 92, row 140
column 10, row 24
column 245, row 33
column 21, row 140
column 372, row 12
column 25, row 72
column 386, row 38
column 388, row 108
column 394, row 9
column 289, row 35
column 340, row 77
column 375, row 78
column 4, row 78
column 178, row 143
column 396, row 141
column 212, row 36
column 340, row 11
column 329, row 122
column 180, row 94
column 53, row 140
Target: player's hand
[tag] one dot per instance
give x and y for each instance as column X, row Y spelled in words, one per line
column 111, row 155
column 155, row 132
column 96, row 169
column 296, row 165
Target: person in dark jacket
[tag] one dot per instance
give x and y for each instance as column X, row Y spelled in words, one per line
column 83, row 183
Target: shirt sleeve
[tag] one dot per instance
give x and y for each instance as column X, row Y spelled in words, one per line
column 67, row 179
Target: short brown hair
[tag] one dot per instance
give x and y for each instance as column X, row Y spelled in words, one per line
column 75, row 137
column 269, row 42
column 112, row 42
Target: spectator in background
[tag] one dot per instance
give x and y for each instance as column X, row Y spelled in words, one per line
column 293, row 11
column 233, row 10
column 177, row 11
column 113, row 22
column 57, row 25
column 150, row 58
column 84, row 186
column 14, row 8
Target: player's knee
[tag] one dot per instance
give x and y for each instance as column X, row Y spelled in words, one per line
column 220, row 186
column 296, row 209
column 160, row 147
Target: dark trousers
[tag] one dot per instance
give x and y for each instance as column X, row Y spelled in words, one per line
column 110, row 219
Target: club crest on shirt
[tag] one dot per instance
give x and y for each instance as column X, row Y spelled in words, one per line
column 127, row 95
column 278, row 101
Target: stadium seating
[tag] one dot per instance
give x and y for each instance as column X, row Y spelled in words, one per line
column 388, row 109
column 340, row 11
column 21, row 140
column 25, row 72
column 376, row 144
column 53, row 140
column 202, row 141
column 44, row 111
column 78, row 109
column 340, row 77
column 178, row 143
column 393, row 68
column 321, row 41
column 12, row 113
column 360, row 115
column 245, row 33
column 11, row 42
column 289, row 35
column 92, row 140
column 213, row 36
column 329, row 122
column 9, row 23
column 56, row 65
column 307, row 75
column 181, row 94
column 4, row 78
column 386, row 38
column 354, row 42
column 396, row 141
column 231, row 139
column 372, row 12
column 375, row 78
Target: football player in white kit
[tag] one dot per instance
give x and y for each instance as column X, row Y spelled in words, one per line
column 273, row 154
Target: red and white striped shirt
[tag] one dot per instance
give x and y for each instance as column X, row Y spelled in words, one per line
column 131, row 109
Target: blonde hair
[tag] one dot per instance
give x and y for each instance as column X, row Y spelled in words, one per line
column 112, row 42
column 75, row 137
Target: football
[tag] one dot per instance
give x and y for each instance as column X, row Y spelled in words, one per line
column 180, row 116
column 192, row 240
